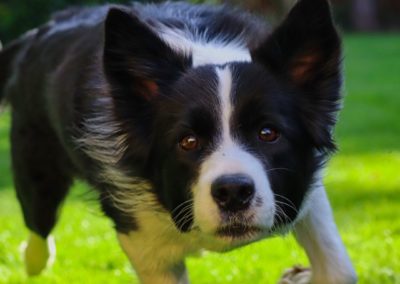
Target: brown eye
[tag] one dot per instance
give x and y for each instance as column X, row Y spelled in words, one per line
column 268, row 134
column 189, row 143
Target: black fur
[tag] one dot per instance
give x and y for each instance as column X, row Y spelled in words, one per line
column 6, row 59
column 109, row 94
column 307, row 43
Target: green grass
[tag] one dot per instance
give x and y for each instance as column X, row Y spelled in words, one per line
column 363, row 182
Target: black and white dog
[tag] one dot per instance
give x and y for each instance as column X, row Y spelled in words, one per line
column 199, row 127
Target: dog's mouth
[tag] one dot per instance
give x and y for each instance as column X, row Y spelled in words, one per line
column 238, row 231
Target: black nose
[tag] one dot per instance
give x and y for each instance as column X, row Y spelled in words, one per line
column 233, row 192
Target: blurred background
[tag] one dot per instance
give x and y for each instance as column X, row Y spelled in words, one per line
column 362, row 179
column 352, row 15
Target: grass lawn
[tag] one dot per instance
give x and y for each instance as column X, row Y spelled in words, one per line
column 363, row 182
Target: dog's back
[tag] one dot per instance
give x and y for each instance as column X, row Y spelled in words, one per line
column 36, row 63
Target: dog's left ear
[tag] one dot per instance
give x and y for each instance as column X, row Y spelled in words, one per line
column 135, row 57
column 306, row 50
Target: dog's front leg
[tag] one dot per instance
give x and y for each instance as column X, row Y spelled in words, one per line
column 317, row 233
column 151, row 263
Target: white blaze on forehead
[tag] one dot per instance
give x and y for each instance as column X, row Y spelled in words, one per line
column 225, row 89
column 216, row 52
column 230, row 158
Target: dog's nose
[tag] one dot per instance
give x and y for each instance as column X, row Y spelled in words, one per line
column 233, row 192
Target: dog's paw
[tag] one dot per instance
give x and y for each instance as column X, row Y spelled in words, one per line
column 296, row 275
column 38, row 253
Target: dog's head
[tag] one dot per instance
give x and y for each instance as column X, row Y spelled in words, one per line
column 229, row 138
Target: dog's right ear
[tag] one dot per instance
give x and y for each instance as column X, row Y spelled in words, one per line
column 135, row 58
column 306, row 51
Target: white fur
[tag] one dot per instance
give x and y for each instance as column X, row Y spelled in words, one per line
column 105, row 143
column 215, row 52
column 38, row 253
column 317, row 233
column 158, row 248
column 230, row 158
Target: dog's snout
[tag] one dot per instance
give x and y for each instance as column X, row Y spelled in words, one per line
column 233, row 192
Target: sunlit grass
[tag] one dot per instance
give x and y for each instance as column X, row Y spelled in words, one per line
column 363, row 182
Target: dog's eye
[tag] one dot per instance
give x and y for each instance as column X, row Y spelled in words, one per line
column 189, row 143
column 268, row 134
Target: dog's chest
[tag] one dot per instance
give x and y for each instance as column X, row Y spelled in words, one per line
column 158, row 245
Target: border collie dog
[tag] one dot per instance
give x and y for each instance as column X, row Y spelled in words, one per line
column 198, row 126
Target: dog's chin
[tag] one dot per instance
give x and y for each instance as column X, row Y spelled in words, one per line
column 237, row 231
column 240, row 233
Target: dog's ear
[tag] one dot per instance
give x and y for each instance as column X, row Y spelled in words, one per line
column 306, row 50
column 135, row 57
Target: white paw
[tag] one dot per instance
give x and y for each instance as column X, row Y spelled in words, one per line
column 296, row 275
column 38, row 253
